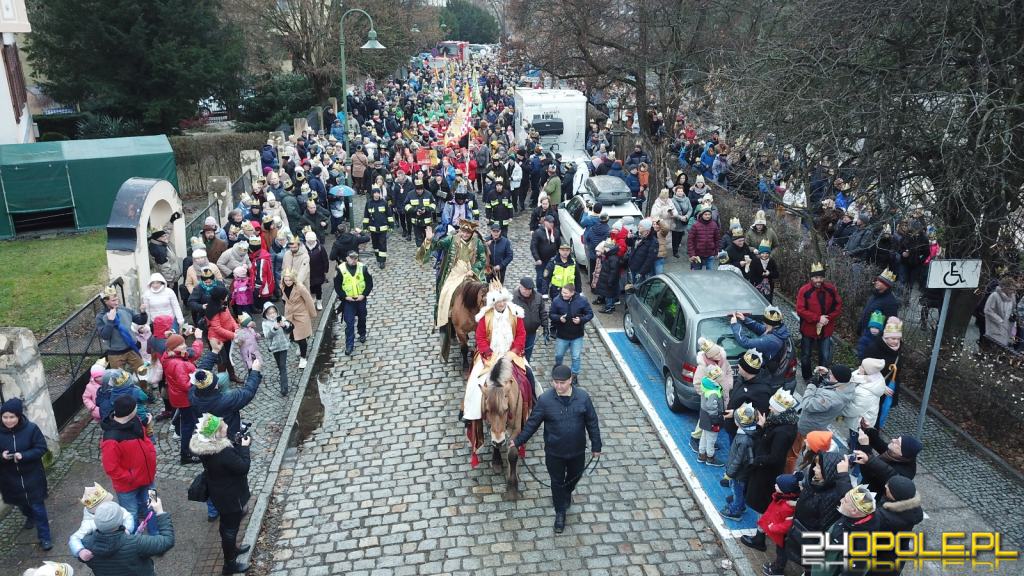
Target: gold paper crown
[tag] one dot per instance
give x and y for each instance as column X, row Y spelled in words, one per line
column 745, row 414
column 773, row 315
column 714, row 372
column 817, row 268
column 207, row 272
column 288, row 273
column 268, row 218
column 254, row 240
column 306, row 230
column 888, row 276
column 734, row 223
column 759, row 218
column 196, row 242
column 703, row 344
column 94, row 496
column 783, row 398
column 59, row 568
column 248, row 228
column 293, row 239
column 142, row 372
column 753, row 358
column 108, row 292
column 304, row 187
column 766, row 244
column 468, row 225
column 863, row 499
column 254, row 201
column 122, row 377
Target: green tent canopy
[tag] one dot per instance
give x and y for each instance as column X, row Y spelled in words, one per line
column 77, row 177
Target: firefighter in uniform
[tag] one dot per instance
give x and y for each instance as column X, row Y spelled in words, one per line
column 378, row 220
column 419, row 206
column 561, row 270
column 499, row 206
column 353, row 284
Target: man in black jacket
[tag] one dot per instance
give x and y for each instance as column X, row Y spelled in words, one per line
column 569, row 314
column 347, row 242
column 566, row 412
column 534, row 314
column 544, row 246
column 645, row 252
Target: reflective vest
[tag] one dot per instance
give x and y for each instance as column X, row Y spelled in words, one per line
column 353, row 284
column 563, row 275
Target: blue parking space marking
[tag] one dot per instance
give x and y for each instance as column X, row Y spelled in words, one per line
column 679, row 426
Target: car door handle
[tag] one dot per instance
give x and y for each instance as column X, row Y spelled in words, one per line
column 664, row 344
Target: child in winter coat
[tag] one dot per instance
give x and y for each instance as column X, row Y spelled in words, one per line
column 711, row 354
column 124, row 383
column 94, row 496
column 245, row 340
column 241, row 291
column 712, row 408
column 870, row 387
column 95, row 381
column 159, row 300
column 741, row 454
column 179, row 364
column 163, row 326
column 778, row 516
column 875, row 324
column 275, row 330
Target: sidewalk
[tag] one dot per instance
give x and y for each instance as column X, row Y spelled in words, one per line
column 197, row 544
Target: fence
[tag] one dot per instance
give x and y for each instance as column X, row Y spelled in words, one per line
column 67, row 354
column 195, row 226
column 240, row 186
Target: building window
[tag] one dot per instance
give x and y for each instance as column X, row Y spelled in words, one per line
column 15, row 79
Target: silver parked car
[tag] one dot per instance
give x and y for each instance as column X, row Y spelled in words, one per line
column 667, row 313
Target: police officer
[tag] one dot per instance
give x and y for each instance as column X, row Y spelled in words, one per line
column 378, row 220
column 419, row 206
column 568, row 415
column 353, row 284
column 561, row 270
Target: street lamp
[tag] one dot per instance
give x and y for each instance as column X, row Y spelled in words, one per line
column 371, row 44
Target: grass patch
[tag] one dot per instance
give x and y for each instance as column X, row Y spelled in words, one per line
column 44, row 280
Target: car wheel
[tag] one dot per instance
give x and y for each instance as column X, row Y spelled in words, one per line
column 671, row 398
column 629, row 328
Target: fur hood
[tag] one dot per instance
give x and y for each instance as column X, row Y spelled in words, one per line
column 202, row 446
column 903, row 505
column 515, row 309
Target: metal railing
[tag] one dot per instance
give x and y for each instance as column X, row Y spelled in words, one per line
column 67, row 354
column 195, row 225
column 242, row 185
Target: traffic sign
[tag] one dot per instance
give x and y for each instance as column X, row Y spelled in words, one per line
column 952, row 274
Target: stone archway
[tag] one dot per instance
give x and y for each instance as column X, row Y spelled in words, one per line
column 141, row 204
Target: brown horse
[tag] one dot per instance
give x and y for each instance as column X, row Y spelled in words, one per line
column 468, row 299
column 505, row 410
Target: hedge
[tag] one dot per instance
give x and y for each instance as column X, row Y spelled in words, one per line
column 200, row 156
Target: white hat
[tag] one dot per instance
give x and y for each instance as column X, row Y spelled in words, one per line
column 495, row 296
column 310, row 236
column 199, row 253
column 210, row 221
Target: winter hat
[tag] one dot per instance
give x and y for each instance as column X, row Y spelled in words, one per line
column 210, row 222
column 745, row 415
column 788, row 483
column 910, row 446
column 239, row 272
column 877, row 320
column 310, row 236
column 95, row 495
column 759, row 218
column 108, row 517
column 244, row 320
column 773, row 316
column 714, row 373
column 819, row 441
column 872, row 365
column 98, row 368
column 124, row 405
column 196, row 243
column 198, row 253
column 645, row 224
column 208, row 425
column 202, row 379
column 699, row 180
column 51, row 569
column 893, row 328
column 841, row 372
column 902, row 488
column 782, row 400
column 175, row 340
column 751, row 361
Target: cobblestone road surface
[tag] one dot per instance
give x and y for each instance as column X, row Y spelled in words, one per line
column 384, row 486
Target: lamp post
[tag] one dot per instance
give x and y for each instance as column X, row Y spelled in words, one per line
column 371, row 44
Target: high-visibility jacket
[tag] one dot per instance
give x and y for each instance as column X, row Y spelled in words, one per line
column 353, row 284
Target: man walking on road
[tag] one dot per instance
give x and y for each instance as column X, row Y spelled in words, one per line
column 353, row 284
column 569, row 314
column 566, row 412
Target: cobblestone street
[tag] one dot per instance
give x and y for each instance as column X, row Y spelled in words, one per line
column 384, row 485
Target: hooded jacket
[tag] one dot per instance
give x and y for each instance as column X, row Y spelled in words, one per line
column 703, row 238
column 771, row 446
column 161, row 302
column 227, row 470
column 128, row 455
column 816, row 508
column 177, row 372
column 118, row 554
column 821, row 405
column 870, row 385
column 24, row 482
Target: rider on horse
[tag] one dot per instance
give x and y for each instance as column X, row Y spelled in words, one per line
column 462, row 255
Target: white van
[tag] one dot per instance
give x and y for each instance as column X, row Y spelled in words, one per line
column 559, row 116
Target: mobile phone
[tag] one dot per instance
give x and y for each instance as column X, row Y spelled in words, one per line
column 153, row 495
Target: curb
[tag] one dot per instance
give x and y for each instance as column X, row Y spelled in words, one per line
column 259, row 510
column 728, row 537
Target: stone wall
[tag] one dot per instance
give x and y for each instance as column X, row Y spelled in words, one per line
column 22, row 376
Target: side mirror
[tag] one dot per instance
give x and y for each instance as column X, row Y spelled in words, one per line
column 630, row 289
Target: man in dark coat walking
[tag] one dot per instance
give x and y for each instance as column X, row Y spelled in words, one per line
column 568, row 415
column 881, row 299
column 645, row 252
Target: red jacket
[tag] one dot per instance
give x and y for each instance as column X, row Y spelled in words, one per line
column 483, row 337
column 262, row 273
column 222, row 327
column 777, row 517
column 620, row 238
column 177, row 372
column 703, row 239
column 128, row 455
column 813, row 303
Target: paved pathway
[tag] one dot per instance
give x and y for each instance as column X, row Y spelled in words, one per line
column 384, row 486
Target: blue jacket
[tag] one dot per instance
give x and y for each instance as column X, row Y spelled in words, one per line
column 22, row 483
column 224, row 404
column 594, row 235
column 578, row 306
column 645, row 252
column 767, row 344
column 268, row 156
column 501, row 253
column 886, row 302
column 633, row 181
column 617, row 172
column 564, row 425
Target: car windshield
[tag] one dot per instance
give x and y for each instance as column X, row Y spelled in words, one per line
column 718, row 331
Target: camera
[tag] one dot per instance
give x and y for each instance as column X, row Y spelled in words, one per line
column 243, row 432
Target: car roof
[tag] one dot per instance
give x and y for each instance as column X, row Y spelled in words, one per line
column 717, row 291
column 608, row 182
column 616, row 210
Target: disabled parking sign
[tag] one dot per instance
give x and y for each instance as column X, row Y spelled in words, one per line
column 953, row 274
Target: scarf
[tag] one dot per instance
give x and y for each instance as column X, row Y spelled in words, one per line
column 125, row 333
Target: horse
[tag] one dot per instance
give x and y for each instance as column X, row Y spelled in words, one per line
column 467, row 301
column 505, row 411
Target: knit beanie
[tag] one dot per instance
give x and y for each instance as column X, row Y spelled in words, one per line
column 842, row 373
column 877, row 320
column 124, row 405
column 910, row 446
column 819, row 441
column 202, row 379
column 108, row 517
column 872, row 365
column 174, row 341
column 902, row 488
column 244, row 320
column 751, row 361
column 893, row 328
column 787, row 483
